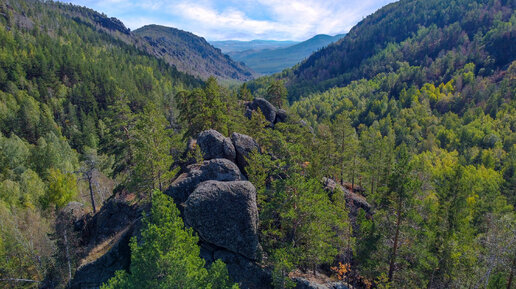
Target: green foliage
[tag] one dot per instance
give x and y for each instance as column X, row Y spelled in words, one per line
column 277, row 93
column 167, row 255
column 244, row 93
column 439, row 37
column 152, row 159
column 62, row 188
column 419, row 119
column 300, row 225
column 283, row 265
column 203, row 109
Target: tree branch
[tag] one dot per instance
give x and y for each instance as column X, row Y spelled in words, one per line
column 18, row 280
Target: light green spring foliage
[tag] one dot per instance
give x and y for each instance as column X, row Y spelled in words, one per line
column 62, row 188
column 167, row 255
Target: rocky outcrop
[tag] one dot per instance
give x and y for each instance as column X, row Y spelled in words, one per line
column 214, row 145
column 219, row 203
column 302, row 283
column 354, row 201
column 116, row 215
column 111, row 23
column 216, row 169
column 244, row 146
column 225, row 214
column 93, row 274
column 105, row 238
column 249, row 274
column 215, row 199
column 269, row 111
column 281, row 115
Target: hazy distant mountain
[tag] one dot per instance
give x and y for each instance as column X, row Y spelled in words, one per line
column 268, row 61
column 236, row 45
column 191, row 53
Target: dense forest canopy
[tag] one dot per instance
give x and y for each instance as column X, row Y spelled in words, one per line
column 438, row 37
column 412, row 113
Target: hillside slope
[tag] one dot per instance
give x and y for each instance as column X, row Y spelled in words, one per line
column 74, row 92
column 191, row 53
column 436, row 35
column 268, row 61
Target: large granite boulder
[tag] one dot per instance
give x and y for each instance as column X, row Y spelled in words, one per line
column 225, row 214
column 281, row 115
column 244, row 145
column 214, row 145
column 216, row 169
column 268, row 110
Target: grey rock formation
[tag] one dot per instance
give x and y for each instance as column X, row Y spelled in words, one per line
column 214, row 145
column 74, row 211
column 216, row 169
column 353, row 201
column 244, row 145
column 302, row 283
column 99, row 271
column 281, row 115
column 268, row 110
column 111, row 229
column 225, row 214
column 247, row 273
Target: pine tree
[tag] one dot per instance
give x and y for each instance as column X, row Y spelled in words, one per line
column 277, row 93
column 167, row 255
column 151, row 145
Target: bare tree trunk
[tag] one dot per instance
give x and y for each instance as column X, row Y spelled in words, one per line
column 90, row 177
column 396, row 237
column 509, row 282
column 19, row 280
column 353, row 172
column 159, row 182
column 342, row 173
column 68, row 258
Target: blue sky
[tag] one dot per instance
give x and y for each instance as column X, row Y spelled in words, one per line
column 241, row 19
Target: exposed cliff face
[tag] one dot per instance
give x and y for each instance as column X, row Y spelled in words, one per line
column 104, row 238
column 192, row 54
column 215, row 199
column 220, row 204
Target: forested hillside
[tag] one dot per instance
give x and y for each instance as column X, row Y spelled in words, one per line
column 74, row 104
column 386, row 160
column 423, row 119
column 438, row 37
column 192, row 54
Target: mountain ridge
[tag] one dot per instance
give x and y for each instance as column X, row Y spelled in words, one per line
column 191, row 53
column 268, row 61
column 256, row 44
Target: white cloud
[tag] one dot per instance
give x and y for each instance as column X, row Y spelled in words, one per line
column 242, row 19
